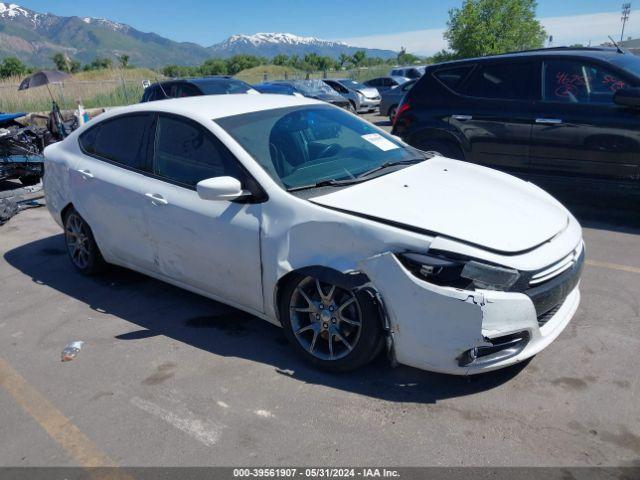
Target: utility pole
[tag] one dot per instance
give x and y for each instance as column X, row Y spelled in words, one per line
column 626, row 10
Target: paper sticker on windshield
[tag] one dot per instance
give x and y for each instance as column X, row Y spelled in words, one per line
column 380, row 142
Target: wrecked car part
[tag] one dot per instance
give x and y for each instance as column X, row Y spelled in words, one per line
column 71, row 350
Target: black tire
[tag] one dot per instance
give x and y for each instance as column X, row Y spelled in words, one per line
column 29, row 180
column 352, row 107
column 366, row 344
column 392, row 112
column 82, row 249
column 444, row 148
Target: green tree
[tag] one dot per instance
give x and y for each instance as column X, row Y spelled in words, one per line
column 65, row 64
column 213, row 66
column 358, row 57
column 11, row 67
column 344, row 60
column 488, row 27
column 237, row 63
column 124, row 60
column 280, row 59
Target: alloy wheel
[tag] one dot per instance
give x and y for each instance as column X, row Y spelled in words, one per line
column 78, row 241
column 326, row 319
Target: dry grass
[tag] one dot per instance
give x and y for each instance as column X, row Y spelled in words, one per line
column 101, row 88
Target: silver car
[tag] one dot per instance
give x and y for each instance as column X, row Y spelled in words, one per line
column 364, row 99
column 391, row 98
column 386, row 83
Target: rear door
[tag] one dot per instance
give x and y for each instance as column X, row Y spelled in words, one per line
column 495, row 112
column 578, row 129
column 106, row 187
column 210, row 245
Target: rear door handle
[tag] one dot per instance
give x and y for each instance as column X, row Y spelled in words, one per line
column 86, row 174
column 549, row 121
column 462, row 118
column 156, row 198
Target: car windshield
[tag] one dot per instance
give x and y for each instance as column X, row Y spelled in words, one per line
column 630, row 63
column 352, row 84
column 313, row 87
column 220, row 87
column 307, row 145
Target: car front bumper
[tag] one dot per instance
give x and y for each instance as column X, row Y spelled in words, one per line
column 368, row 104
column 465, row 332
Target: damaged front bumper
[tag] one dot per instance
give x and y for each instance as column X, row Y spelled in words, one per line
column 464, row 332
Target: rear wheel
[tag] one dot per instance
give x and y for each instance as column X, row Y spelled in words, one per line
column 334, row 328
column 81, row 246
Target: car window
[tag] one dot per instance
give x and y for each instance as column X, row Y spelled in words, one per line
column 413, row 73
column 388, row 82
column 376, row 82
column 575, row 81
column 453, row 77
column 407, row 86
column 179, row 90
column 124, row 140
column 508, row 81
column 187, row 153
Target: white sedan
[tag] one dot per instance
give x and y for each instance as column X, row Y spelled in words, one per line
column 315, row 220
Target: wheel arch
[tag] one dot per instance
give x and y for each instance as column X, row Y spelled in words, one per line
column 439, row 135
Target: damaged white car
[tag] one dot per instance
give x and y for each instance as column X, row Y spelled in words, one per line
column 304, row 215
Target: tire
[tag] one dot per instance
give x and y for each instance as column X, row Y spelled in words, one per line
column 315, row 332
column 352, row 107
column 81, row 246
column 28, row 180
column 444, row 148
column 392, row 112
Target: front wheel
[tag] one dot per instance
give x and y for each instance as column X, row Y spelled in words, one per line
column 81, row 246
column 333, row 328
column 29, row 180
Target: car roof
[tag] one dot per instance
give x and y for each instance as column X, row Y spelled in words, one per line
column 198, row 80
column 602, row 53
column 216, row 106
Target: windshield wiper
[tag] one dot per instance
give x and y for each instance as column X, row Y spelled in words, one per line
column 324, row 183
column 390, row 164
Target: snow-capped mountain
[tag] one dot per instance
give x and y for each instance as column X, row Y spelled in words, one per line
column 271, row 44
column 34, row 37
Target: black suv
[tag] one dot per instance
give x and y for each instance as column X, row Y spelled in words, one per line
column 191, row 87
column 556, row 111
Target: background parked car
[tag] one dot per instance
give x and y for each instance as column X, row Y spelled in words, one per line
column 409, row 72
column 307, row 88
column 558, row 111
column 386, row 83
column 391, row 98
column 364, row 99
column 191, row 87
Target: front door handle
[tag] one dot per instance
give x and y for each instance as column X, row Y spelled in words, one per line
column 549, row 121
column 462, row 118
column 86, row 174
column 156, row 198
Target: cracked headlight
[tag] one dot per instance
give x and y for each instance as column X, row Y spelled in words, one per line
column 458, row 272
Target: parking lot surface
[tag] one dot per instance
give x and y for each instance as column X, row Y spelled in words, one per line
column 166, row 377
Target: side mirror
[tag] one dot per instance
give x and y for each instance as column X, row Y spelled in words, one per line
column 628, row 97
column 220, row 188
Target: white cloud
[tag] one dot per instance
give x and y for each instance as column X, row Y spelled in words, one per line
column 568, row 30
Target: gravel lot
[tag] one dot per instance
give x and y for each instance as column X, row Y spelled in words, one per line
column 169, row 378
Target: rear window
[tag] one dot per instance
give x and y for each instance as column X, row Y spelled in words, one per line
column 453, row 77
column 506, row 81
column 123, row 140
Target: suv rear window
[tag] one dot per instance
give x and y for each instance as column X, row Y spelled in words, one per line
column 507, row 81
column 453, row 77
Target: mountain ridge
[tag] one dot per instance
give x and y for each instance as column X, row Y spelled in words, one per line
column 34, row 37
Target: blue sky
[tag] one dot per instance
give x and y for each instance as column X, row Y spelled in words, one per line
column 375, row 22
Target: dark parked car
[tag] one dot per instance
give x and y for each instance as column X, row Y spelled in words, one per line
column 191, row 87
column 392, row 98
column 307, row 88
column 558, row 111
column 386, row 83
column 409, row 72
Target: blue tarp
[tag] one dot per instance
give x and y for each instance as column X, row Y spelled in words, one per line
column 7, row 117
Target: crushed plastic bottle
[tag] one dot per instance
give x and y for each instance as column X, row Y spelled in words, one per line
column 71, row 350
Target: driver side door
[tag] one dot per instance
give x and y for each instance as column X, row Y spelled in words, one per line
column 212, row 246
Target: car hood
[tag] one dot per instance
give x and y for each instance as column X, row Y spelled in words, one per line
column 458, row 200
column 327, row 97
column 369, row 92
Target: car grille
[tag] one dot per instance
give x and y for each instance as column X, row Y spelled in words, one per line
column 557, row 268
